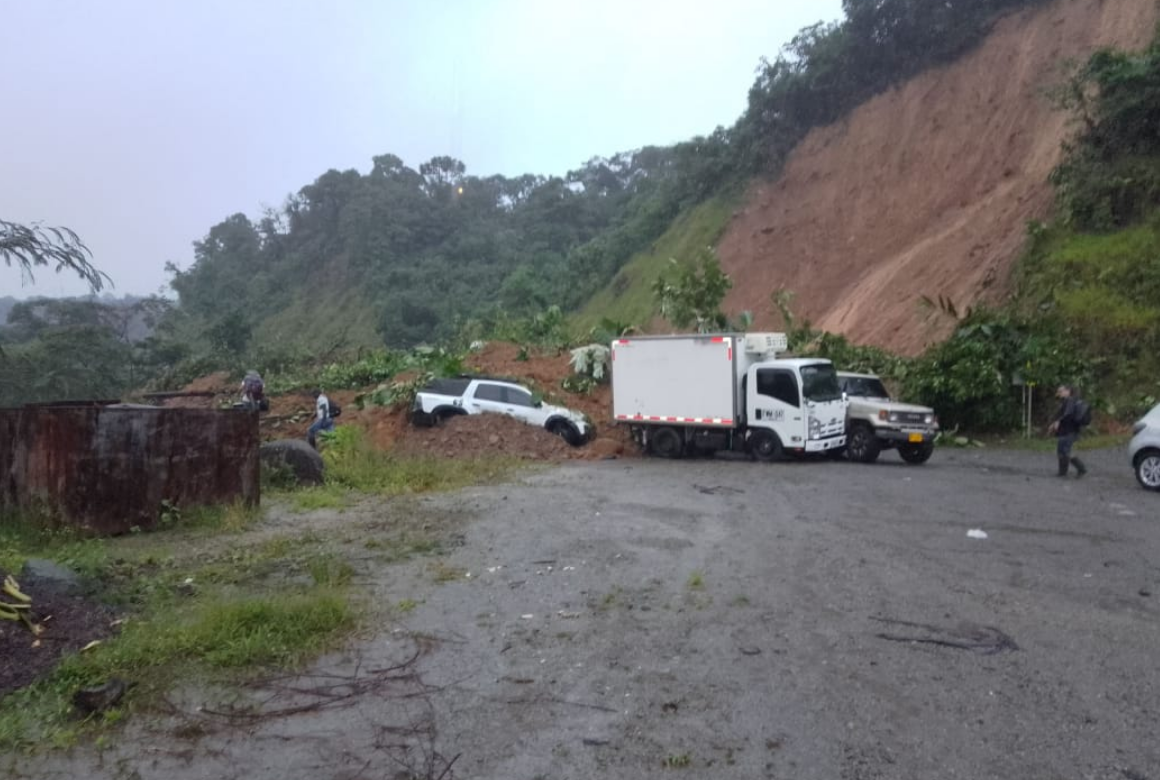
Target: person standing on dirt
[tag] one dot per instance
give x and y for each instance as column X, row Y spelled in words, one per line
column 254, row 392
column 323, row 420
column 1065, row 426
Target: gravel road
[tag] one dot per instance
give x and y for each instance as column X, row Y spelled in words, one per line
column 728, row 619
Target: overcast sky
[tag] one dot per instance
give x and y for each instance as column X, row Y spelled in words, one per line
column 140, row 124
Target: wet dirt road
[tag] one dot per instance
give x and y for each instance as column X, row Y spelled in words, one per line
column 638, row 619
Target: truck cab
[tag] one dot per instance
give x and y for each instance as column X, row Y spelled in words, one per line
column 794, row 405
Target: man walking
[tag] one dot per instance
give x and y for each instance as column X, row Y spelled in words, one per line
column 323, row 419
column 1065, row 426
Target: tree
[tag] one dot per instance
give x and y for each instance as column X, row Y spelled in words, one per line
column 693, row 296
column 29, row 246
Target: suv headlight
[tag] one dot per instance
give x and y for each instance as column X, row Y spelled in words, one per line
column 1138, row 427
column 929, row 419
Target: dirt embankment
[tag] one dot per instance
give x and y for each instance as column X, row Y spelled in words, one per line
column 925, row 190
column 290, row 414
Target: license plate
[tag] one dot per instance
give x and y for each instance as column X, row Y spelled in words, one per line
column 916, row 438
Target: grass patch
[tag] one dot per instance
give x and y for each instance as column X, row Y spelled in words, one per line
column 352, row 462
column 696, row 581
column 193, row 609
column 629, row 297
column 1102, row 441
column 330, row 496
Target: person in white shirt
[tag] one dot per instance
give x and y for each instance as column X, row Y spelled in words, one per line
column 323, row 421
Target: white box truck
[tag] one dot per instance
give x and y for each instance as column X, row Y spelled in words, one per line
column 704, row 393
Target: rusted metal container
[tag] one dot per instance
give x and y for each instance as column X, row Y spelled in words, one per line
column 110, row 469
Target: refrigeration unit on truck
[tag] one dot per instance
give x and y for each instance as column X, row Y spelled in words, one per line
column 704, row 393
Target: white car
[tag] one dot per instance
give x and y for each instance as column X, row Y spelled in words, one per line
column 444, row 398
column 1145, row 450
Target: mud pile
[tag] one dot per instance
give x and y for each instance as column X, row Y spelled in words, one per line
column 925, row 190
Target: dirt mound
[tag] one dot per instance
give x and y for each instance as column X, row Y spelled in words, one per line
column 291, row 414
column 482, row 435
column 925, row 190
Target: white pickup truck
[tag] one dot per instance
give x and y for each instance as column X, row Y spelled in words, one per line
column 445, row 398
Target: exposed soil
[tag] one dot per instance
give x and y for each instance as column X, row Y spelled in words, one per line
column 68, row 622
column 291, row 414
column 925, row 190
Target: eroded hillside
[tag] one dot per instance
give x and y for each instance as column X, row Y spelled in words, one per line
column 925, row 190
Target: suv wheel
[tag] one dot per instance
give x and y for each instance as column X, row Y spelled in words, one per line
column 862, row 445
column 1148, row 469
column 666, row 443
column 916, row 453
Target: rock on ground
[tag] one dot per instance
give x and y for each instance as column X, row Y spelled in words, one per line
column 297, row 456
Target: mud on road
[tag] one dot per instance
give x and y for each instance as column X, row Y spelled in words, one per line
column 638, row 619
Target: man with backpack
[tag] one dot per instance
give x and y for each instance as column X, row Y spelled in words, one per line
column 1074, row 413
column 325, row 412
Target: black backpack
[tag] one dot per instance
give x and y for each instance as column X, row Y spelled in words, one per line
column 1082, row 413
column 335, row 409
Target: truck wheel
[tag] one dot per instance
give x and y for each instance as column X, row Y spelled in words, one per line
column 916, row 453
column 666, row 443
column 862, row 446
column 765, row 445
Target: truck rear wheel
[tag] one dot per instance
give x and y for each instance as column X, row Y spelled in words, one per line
column 666, row 443
column 862, row 445
column 765, row 445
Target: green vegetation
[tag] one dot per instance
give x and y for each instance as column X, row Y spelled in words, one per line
column 629, row 297
column 353, row 464
column 696, row 581
column 193, row 610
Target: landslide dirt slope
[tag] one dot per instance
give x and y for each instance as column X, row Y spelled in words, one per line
column 925, row 190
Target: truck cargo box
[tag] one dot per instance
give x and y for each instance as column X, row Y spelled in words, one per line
column 681, row 380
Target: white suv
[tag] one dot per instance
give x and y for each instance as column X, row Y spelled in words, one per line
column 1145, row 449
column 444, row 398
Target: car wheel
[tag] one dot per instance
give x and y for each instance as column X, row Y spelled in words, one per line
column 862, row 445
column 666, row 443
column 765, row 445
column 1148, row 469
column 566, row 431
column 916, row 453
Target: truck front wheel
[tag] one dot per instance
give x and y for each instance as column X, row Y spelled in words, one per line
column 916, row 453
column 765, row 445
column 862, row 446
column 666, row 443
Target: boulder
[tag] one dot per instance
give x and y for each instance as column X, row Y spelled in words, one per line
column 295, row 458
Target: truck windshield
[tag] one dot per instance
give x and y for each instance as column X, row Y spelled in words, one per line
column 820, row 383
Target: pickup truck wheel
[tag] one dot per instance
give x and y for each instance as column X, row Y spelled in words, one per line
column 565, row 431
column 765, row 445
column 916, row 453
column 666, row 443
column 862, row 446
